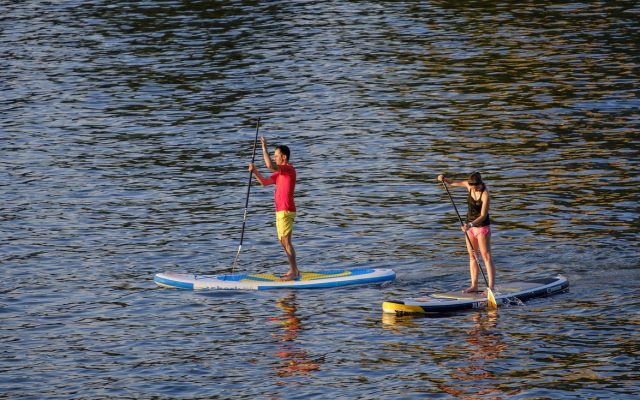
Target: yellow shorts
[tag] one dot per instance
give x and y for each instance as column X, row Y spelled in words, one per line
column 284, row 223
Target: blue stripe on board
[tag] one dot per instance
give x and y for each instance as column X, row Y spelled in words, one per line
column 331, row 284
column 238, row 278
column 173, row 283
column 253, row 277
column 355, row 271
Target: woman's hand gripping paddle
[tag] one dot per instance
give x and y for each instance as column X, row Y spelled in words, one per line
column 491, row 300
column 246, row 204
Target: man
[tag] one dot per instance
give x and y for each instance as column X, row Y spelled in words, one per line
column 284, row 177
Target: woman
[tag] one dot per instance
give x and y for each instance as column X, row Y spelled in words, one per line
column 477, row 227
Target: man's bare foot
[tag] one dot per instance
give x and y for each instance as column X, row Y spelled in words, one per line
column 472, row 289
column 290, row 276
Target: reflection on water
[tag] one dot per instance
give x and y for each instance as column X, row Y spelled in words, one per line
column 126, row 127
column 294, row 361
column 473, row 376
column 470, row 365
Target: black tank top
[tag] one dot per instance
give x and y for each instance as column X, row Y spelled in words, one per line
column 475, row 209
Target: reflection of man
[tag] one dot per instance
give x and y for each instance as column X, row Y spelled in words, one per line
column 296, row 362
column 291, row 322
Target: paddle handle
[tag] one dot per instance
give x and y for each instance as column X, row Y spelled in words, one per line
column 253, row 159
column 465, row 232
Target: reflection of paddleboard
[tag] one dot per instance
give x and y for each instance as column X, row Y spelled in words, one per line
column 308, row 280
column 456, row 300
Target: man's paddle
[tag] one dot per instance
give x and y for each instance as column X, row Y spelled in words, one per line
column 246, row 204
column 491, row 300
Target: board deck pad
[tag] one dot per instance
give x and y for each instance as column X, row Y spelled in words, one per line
column 307, row 280
column 458, row 300
column 512, row 287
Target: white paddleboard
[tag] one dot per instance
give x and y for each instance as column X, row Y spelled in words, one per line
column 457, row 300
column 308, row 280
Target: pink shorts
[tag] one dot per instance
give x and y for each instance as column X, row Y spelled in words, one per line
column 479, row 231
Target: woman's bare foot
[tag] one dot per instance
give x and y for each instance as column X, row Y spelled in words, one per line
column 471, row 289
column 486, row 291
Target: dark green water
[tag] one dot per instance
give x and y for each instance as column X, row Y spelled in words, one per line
column 125, row 133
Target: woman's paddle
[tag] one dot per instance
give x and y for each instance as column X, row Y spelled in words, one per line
column 491, row 300
column 246, row 204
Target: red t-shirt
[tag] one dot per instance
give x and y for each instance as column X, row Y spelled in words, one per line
column 285, row 181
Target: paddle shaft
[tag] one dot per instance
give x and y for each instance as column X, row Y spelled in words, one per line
column 246, row 203
column 465, row 233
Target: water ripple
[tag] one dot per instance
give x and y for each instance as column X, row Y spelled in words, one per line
column 127, row 128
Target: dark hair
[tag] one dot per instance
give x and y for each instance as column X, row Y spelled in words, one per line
column 284, row 150
column 475, row 179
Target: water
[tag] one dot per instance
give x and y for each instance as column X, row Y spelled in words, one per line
column 125, row 132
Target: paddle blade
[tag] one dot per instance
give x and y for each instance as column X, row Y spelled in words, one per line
column 491, row 300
